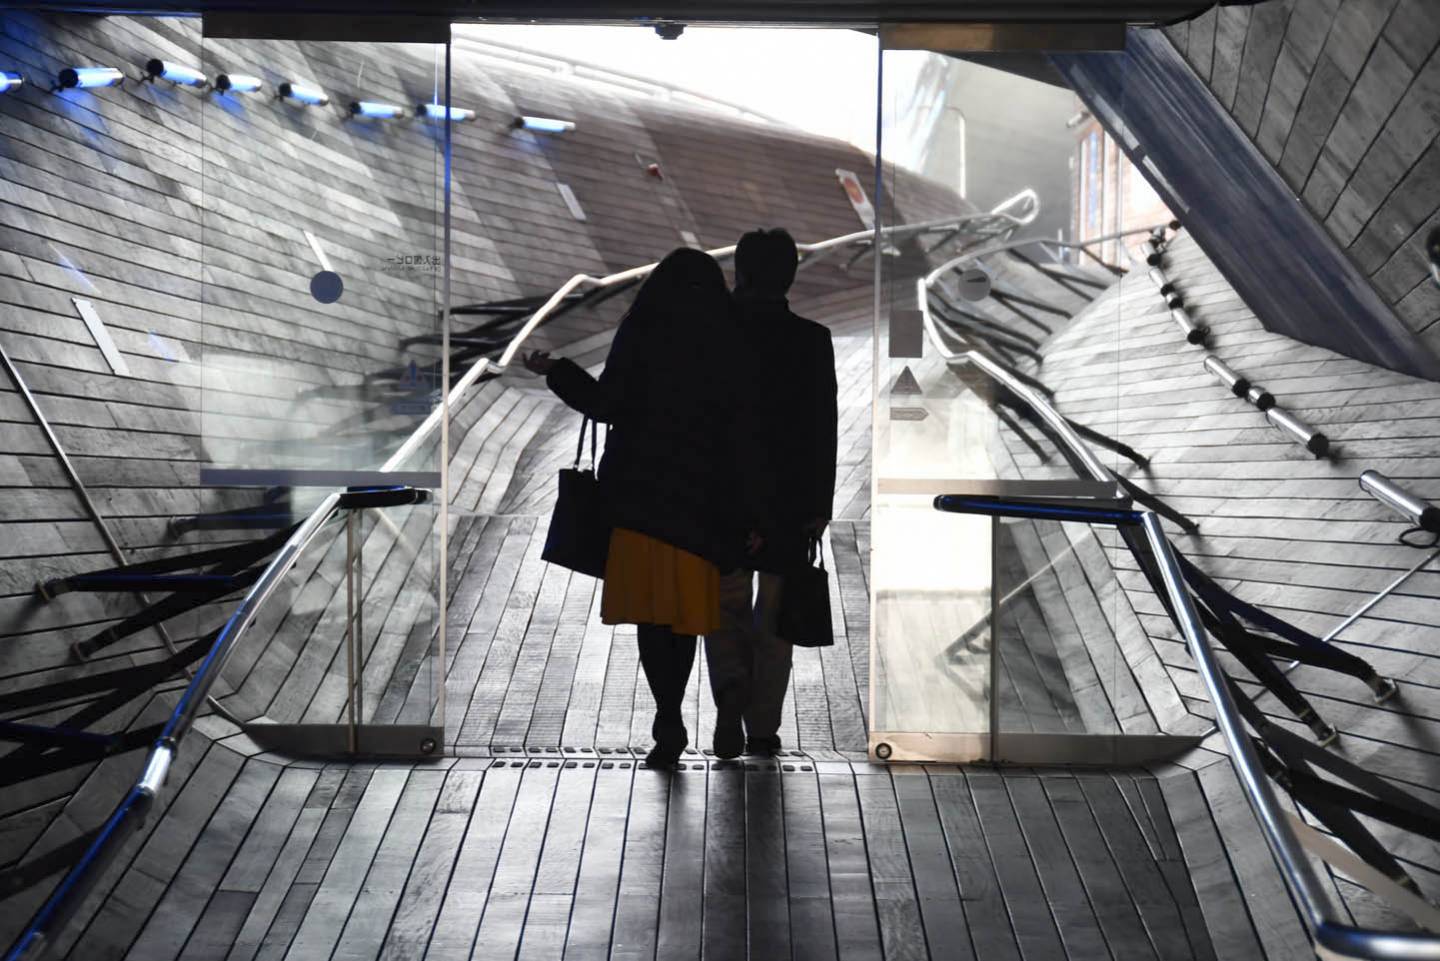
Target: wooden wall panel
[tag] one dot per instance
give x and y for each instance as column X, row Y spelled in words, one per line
column 1341, row 96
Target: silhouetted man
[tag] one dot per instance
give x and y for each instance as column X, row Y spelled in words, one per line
column 790, row 373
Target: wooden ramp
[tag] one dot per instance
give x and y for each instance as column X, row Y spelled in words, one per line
column 591, row 856
column 543, row 836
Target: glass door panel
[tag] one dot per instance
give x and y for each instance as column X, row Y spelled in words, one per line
column 997, row 375
column 321, row 376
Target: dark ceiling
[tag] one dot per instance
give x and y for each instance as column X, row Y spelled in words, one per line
column 799, row 12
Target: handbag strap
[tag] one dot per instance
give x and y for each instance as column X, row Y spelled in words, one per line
column 580, row 445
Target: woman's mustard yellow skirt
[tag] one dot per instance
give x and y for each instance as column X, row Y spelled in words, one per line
column 650, row 582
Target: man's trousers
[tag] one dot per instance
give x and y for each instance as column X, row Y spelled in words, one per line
column 748, row 660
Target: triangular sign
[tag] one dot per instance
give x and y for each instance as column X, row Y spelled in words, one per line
column 906, row 383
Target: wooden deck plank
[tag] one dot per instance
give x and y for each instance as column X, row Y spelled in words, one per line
column 726, row 890
column 345, row 873
column 857, row 927
column 983, row 901
column 1137, row 865
column 587, row 688
column 487, row 700
column 682, row 898
column 812, row 935
column 469, row 889
column 1025, row 900
column 517, row 711
column 375, row 904
column 502, row 924
column 597, row 888
column 555, row 889
column 1069, row 898
column 767, row 894
column 946, row 929
column 558, row 683
column 637, row 910
column 177, row 914
column 1113, row 904
column 286, row 868
column 1222, row 904
column 435, row 857
column 472, row 640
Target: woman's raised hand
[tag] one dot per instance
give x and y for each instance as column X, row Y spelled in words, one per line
column 539, row 362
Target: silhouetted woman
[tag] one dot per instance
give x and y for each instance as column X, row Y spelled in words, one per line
column 668, row 393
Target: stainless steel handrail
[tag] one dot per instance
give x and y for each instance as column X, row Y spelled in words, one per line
column 1002, row 246
column 131, row 810
column 1334, row 940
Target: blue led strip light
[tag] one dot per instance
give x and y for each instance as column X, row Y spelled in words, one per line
column 995, row 507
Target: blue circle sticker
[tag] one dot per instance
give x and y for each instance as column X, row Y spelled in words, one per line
column 326, row 286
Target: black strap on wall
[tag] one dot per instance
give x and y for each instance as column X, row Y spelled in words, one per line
column 167, row 607
column 1110, row 443
column 1153, row 502
column 232, row 557
column 1235, row 640
column 23, row 768
column 137, row 677
column 1010, row 421
column 272, row 513
column 32, row 872
column 1304, row 646
column 13, row 766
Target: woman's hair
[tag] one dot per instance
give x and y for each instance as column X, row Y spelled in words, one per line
column 687, row 285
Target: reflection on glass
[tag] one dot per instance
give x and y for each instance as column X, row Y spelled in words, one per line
column 322, row 241
column 931, row 577
column 978, row 622
column 329, row 360
column 1057, row 652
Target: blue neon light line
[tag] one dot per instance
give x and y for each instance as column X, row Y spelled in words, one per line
column 967, row 505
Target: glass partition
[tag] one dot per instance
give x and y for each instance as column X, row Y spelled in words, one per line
column 997, row 373
column 322, row 235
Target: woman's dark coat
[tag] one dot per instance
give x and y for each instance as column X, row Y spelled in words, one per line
column 670, row 468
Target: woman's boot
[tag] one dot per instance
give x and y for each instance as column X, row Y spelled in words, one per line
column 667, row 659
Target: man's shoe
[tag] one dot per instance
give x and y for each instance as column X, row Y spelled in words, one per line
column 729, row 738
column 763, row 746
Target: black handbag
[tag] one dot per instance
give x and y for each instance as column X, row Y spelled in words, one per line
column 579, row 535
column 805, row 603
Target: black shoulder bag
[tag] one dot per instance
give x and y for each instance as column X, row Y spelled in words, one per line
column 579, row 535
column 805, row 603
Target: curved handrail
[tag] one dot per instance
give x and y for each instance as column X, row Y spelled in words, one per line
column 1334, row 940
column 1002, row 246
column 1027, row 196
column 486, row 366
column 131, row 811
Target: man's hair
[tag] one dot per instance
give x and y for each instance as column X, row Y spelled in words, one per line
column 767, row 259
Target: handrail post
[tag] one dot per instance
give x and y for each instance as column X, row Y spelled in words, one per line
column 350, row 671
column 994, row 640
